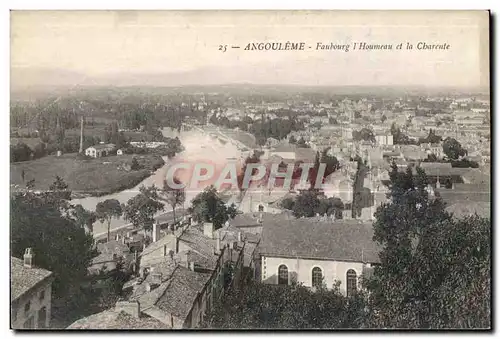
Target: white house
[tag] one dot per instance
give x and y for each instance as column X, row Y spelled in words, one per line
column 100, row 150
column 316, row 251
column 119, row 152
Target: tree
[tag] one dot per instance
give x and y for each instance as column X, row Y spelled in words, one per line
column 84, row 218
column 107, row 210
column 447, row 260
column 208, row 206
column 59, row 244
column 432, row 138
column 20, row 152
column 306, row 204
column 302, row 143
column 264, row 306
column 333, row 121
column 453, row 149
column 383, row 118
column 135, row 166
column 331, row 162
column 365, row 134
column 173, row 196
column 331, row 206
column 288, row 203
column 292, row 140
column 141, row 209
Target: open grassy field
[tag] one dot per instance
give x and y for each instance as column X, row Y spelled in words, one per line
column 94, row 177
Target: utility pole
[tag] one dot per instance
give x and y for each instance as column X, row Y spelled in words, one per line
column 81, row 134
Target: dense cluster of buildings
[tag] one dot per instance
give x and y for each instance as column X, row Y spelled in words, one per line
column 184, row 269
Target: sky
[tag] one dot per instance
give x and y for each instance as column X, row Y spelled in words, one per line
column 100, row 44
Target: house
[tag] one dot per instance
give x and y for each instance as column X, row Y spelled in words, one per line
column 112, row 254
column 122, row 317
column 185, row 271
column 100, row 150
column 314, row 251
column 119, row 152
column 248, row 222
column 30, row 293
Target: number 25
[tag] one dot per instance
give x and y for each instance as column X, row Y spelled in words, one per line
column 222, row 48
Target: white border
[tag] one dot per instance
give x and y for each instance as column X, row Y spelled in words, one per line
column 190, row 4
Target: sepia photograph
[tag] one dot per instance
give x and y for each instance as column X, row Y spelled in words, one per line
column 250, row 170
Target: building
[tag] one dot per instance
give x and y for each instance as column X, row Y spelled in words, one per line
column 316, row 251
column 122, row 317
column 384, row 139
column 100, row 150
column 183, row 272
column 30, row 294
column 119, row 152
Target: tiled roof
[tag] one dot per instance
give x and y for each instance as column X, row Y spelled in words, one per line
column 313, row 238
column 464, row 209
column 112, row 320
column 103, row 146
column 245, row 219
column 22, row 279
column 182, row 291
column 464, row 193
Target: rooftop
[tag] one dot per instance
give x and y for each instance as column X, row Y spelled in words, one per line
column 103, row 146
column 348, row 240
column 22, row 278
column 113, row 320
column 464, row 209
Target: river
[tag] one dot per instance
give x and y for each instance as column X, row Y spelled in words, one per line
column 197, row 147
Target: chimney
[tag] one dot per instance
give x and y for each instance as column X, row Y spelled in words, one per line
column 176, row 244
column 130, row 307
column 123, row 240
column 81, row 135
column 239, row 237
column 117, row 237
column 191, row 266
column 165, row 250
column 218, row 247
column 28, row 258
column 208, row 229
column 156, row 231
column 184, row 258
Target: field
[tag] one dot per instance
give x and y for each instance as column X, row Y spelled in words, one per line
column 85, row 177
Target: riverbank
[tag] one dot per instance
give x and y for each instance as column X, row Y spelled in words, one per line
column 93, row 177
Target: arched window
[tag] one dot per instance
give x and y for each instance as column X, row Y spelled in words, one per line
column 352, row 282
column 283, row 275
column 317, row 277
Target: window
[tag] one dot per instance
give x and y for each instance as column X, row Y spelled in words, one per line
column 283, row 275
column 261, row 208
column 42, row 317
column 42, row 295
column 27, row 307
column 352, row 282
column 317, row 277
